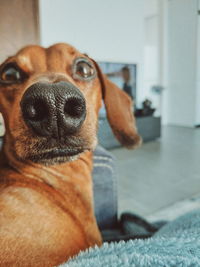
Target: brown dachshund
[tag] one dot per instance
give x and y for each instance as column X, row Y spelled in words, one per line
column 50, row 100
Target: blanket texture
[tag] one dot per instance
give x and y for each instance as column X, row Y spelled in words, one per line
column 175, row 244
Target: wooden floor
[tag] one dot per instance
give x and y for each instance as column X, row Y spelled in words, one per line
column 159, row 173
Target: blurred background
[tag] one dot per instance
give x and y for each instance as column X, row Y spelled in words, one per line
column 151, row 49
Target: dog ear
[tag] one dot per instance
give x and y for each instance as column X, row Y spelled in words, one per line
column 120, row 113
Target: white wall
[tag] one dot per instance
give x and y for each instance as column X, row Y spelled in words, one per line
column 152, row 53
column 182, row 67
column 197, row 119
column 108, row 30
column 164, row 16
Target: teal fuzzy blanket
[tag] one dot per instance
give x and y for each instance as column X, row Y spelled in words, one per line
column 175, row 244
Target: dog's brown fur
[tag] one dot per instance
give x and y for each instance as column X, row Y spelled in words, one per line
column 46, row 212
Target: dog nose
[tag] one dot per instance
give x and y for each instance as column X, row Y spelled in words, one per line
column 54, row 110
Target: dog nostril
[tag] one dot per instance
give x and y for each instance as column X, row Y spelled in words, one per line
column 36, row 111
column 74, row 107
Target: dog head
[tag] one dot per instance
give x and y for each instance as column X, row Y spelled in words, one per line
column 50, row 100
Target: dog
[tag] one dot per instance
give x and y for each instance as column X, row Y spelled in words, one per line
column 50, row 98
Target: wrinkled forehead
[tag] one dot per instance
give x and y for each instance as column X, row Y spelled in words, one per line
column 38, row 59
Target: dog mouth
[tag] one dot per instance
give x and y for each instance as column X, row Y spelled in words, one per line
column 51, row 151
column 56, row 155
column 61, row 153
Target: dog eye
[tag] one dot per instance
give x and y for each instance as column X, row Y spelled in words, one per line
column 83, row 69
column 11, row 74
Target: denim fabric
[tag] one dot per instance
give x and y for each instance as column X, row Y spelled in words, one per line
column 105, row 189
